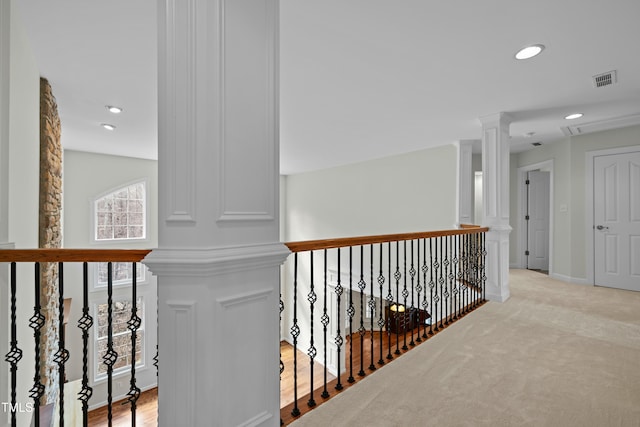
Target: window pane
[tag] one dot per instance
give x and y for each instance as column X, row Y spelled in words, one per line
column 105, row 204
column 136, row 206
column 105, row 233
column 136, row 232
column 120, row 232
column 124, row 210
column 104, row 218
column 136, row 218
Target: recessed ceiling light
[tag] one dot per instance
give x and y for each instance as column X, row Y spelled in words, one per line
column 107, row 126
column 574, row 116
column 529, row 51
column 114, row 109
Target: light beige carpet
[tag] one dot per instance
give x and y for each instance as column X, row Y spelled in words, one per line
column 554, row 354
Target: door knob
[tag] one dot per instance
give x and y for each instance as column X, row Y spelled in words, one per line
column 602, row 227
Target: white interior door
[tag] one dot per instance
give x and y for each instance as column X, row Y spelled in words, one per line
column 538, row 222
column 616, row 215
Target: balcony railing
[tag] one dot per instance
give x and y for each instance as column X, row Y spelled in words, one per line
column 351, row 305
column 18, row 286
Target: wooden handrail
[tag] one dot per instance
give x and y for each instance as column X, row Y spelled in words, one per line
column 312, row 245
column 73, row 255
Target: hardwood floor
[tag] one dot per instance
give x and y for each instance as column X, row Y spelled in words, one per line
column 304, row 377
column 146, row 412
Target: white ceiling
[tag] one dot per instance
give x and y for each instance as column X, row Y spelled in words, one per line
column 360, row 79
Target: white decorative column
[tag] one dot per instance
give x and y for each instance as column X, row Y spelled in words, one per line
column 464, row 205
column 495, row 188
column 219, row 252
column 5, row 51
column 5, row 33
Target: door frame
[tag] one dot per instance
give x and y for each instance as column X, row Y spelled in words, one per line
column 522, row 208
column 589, row 204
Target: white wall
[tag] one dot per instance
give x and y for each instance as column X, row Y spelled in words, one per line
column 569, row 157
column 87, row 176
column 405, row 193
column 22, row 190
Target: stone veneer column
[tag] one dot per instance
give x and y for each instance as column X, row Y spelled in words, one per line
column 495, row 203
column 50, row 234
column 219, row 251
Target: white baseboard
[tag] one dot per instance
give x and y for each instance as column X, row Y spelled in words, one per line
column 569, row 279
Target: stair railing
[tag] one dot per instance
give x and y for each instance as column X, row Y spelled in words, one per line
column 62, row 257
column 355, row 304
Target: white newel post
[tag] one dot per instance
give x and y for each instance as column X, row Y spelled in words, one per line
column 219, row 251
column 495, row 190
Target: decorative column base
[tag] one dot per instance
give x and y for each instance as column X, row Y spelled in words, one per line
column 218, row 335
column 497, row 267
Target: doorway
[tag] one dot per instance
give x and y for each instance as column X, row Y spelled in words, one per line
column 615, row 230
column 535, row 217
column 537, row 220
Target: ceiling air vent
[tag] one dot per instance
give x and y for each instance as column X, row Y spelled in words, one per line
column 605, row 79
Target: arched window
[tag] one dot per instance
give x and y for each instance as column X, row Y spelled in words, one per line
column 121, row 215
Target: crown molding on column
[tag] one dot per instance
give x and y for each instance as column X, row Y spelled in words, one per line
column 215, row 261
column 502, row 118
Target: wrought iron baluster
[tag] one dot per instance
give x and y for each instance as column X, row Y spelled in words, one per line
column 447, row 280
column 339, row 341
column 133, row 325
column 479, row 278
column 425, row 304
column 412, row 313
column 461, row 273
column 295, row 331
column 325, row 321
column 111, row 355
column 389, row 302
column 312, row 298
column 280, row 325
column 361, row 331
column 85, row 322
column 441, row 283
column 453, row 276
column 484, row 264
column 405, row 294
column 432, row 285
column 62, row 355
column 351, row 312
column 281, row 310
column 15, row 353
column 472, row 270
column 419, row 290
column 397, row 275
column 36, row 322
column 478, row 269
column 465, row 274
column 372, row 308
column 380, row 317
